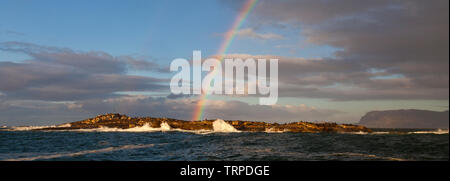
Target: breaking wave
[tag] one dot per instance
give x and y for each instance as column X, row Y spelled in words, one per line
column 221, row 126
column 358, row 132
column 144, row 128
column 28, row 128
column 438, row 131
column 218, row 126
column 165, row 126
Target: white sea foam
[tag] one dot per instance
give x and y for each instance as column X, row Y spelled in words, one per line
column 144, row 128
column 64, row 125
column 103, row 150
column 272, row 130
column 438, row 131
column 380, row 132
column 221, row 126
column 28, row 128
column 164, row 127
column 357, row 132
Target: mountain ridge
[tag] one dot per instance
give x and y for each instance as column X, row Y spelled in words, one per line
column 405, row 118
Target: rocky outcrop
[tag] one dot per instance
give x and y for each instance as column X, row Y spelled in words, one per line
column 410, row 118
column 125, row 122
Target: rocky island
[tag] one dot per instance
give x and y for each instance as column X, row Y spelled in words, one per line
column 124, row 122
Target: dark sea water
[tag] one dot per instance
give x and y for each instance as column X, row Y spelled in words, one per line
column 175, row 145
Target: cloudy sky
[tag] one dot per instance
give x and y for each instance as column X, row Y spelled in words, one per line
column 64, row 61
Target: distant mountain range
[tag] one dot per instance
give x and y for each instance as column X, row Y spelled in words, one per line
column 410, row 118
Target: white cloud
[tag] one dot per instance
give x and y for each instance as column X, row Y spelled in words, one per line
column 250, row 33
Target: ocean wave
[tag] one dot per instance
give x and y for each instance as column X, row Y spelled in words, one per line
column 381, row 132
column 358, row 132
column 164, row 127
column 144, row 128
column 29, row 128
column 219, row 126
column 371, row 133
column 85, row 152
column 272, row 130
column 438, row 131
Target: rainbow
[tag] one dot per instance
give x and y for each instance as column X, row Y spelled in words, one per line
column 229, row 36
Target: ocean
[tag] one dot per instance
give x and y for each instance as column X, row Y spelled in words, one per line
column 27, row 144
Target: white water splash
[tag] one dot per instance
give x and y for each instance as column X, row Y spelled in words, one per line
column 221, row 126
column 103, row 150
column 165, row 126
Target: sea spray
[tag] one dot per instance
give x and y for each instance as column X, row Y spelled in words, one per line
column 220, row 125
column 165, row 126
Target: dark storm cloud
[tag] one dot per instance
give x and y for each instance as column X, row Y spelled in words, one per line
column 59, row 74
column 407, row 41
column 341, row 80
